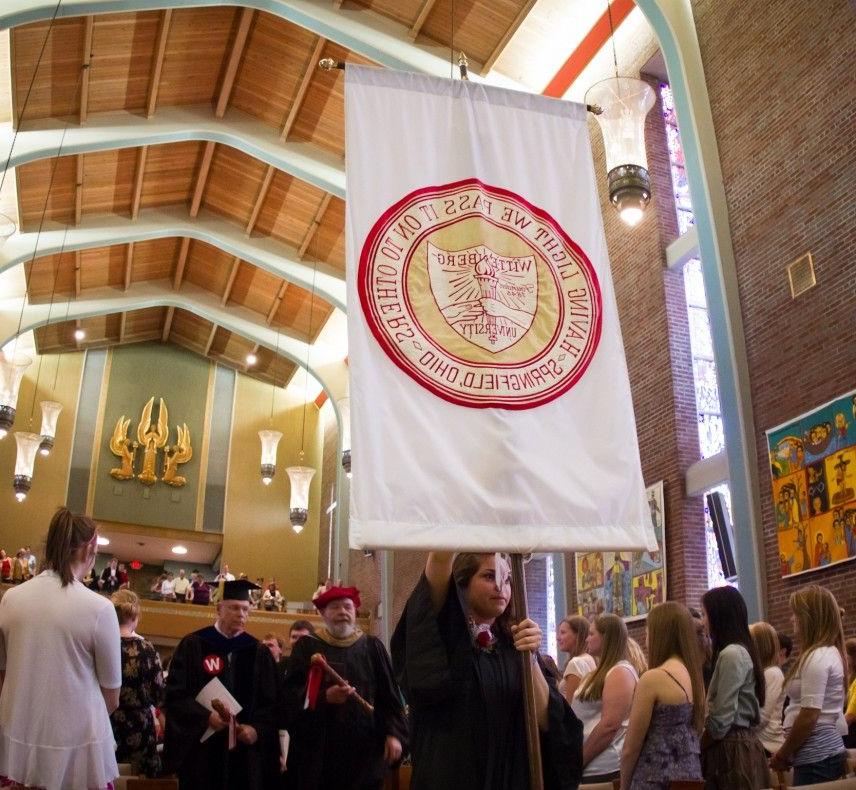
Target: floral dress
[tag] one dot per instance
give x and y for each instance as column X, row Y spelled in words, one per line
column 133, row 721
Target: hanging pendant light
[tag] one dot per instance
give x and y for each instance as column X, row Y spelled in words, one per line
column 270, row 440
column 28, row 445
column 12, row 367
column 344, row 405
column 624, row 102
column 300, row 477
column 50, row 415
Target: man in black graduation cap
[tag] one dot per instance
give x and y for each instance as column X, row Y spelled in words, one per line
column 247, row 670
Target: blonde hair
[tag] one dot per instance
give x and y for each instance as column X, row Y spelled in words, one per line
column 127, row 605
column 636, row 656
column 767, row 642
column 580, row 626
column 818, row 625
column 611, row 627
column 672, row 633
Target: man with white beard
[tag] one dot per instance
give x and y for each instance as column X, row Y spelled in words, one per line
column 335, row 743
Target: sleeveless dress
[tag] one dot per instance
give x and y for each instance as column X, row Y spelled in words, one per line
column 671, row 750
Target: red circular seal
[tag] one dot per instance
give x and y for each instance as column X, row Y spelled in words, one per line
column 479, row 296
column 212, row 664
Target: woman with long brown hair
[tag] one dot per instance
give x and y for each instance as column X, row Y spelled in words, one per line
column 816, row 686
column 732, row 755
column 767, row 644
column 457, row 656
column 603, row 700
column 667, row 716
column 571, row 636
column 59, row 644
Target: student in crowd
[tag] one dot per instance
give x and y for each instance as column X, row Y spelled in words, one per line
column 662, row 741
column 200, row 592
column 816, row 686
column 5, row 567
column 732, row 754
column 456, row 654
column 181, row 586
column 571, row 638
column 770, row 729
column 109, row 581
column 142, row 690
column 703, row 645
column 167, row 588
column 272, row 599
column 20, row 568
column 786, row 647
column 61, row 678
column 124, row 583
column 603, row 700
column 850, row 712
column 636, row 656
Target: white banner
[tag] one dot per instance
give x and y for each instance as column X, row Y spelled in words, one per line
column 490, row 404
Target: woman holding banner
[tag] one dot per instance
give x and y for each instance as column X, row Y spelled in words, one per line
column 456, row 655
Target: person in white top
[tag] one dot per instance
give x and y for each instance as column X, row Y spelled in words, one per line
column 571, row 637
column 167, row 588
column 60, row 669
column 770, row 730
column 814, row 719
column 603, row 700
column 181, row 586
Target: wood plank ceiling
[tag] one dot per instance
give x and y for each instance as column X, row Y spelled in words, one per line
column 223, row 57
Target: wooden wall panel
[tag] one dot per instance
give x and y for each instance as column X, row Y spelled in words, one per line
column 170, row 173
column 272, row 68
column 108, row 181
column 122, row 48
column 198, row 41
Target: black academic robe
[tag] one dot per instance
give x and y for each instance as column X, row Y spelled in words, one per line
column 341, row 747
column 247, row 669
column 466, row 706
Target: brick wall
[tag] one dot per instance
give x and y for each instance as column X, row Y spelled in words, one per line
column 784, row 108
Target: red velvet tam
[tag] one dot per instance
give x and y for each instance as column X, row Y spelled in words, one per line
column 334, row 593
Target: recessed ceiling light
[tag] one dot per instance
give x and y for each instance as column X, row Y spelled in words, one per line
column 79, row 334
column 179, row 550
column 102, row 541
column 252, row 359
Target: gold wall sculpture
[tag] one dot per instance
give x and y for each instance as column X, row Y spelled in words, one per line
column 151, row 438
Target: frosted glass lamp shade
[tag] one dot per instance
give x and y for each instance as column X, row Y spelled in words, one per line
column 624, row 103
column 28, row 446
column 270, row 441
column 50, row 415
column 12, row 367
column 300, row 477
column 345, row 415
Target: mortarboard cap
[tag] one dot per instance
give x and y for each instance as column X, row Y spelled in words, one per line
column 238, row 590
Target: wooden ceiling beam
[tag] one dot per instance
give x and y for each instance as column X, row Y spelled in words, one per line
column 85, row 67
column 201, row 178
column 76, row 274
column 280, row 295
column 142, row 154
column 300, row 94
column 123, row 321
column 506, row 37
column 260, row 199
column 180, row 264
column 129, row 266
column 76, row 329
column 78, row 191
column 210, row 341
column 157, row 65
column 427, row 6
column 167, row 324
column 227, row 291
column 313, row 227
column 235, row 54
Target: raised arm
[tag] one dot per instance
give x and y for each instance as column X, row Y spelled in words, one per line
column 438, row 569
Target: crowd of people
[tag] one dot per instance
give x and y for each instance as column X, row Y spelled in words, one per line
column 715, row 700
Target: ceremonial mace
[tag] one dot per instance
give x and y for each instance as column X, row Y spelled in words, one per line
column 318, row 659
column 530, row 715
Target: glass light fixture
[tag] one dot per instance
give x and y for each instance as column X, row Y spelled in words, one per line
column 270, row 440
column 102, row 541
column 624, row 102
column 179, row 550
column 251, row 360
column 79, row 334
column 12, row 367
column 28, row 445
column 50, row 415
column 344, row 405
column 7, row 227
column 300, row 477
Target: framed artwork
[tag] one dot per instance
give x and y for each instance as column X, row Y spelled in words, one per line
column 813, row 470
column 626, row 583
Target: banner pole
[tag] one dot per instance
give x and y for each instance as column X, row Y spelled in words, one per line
column 530, row 716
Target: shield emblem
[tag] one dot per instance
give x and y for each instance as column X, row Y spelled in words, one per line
column 488, row 299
